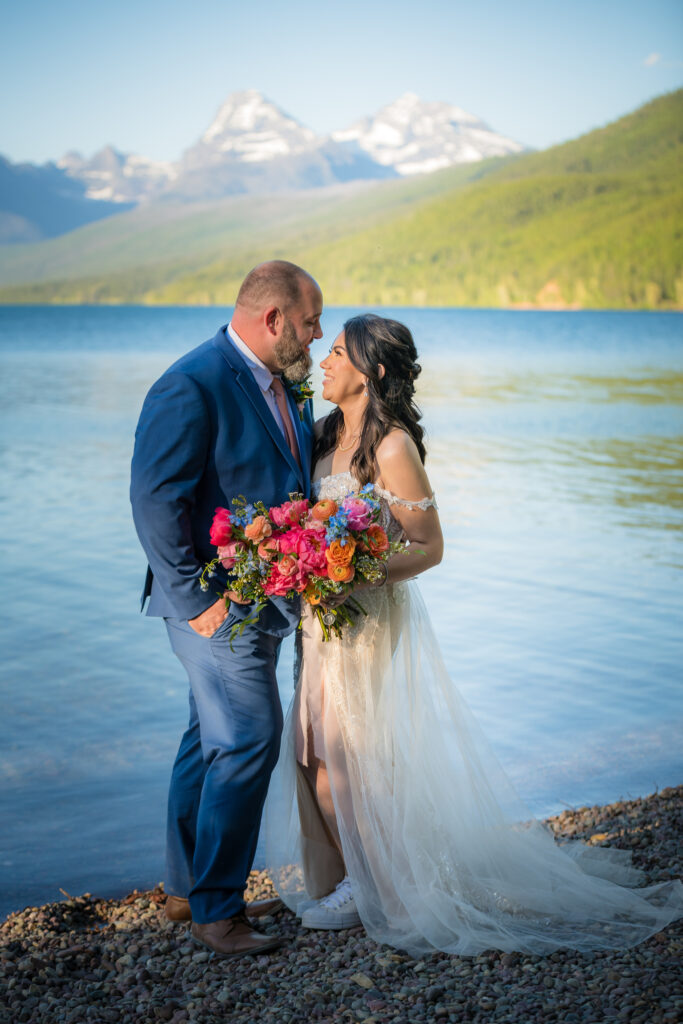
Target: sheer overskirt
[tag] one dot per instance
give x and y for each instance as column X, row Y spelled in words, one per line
column 441, row 851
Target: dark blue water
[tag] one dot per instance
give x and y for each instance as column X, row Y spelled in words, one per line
column 556, row 451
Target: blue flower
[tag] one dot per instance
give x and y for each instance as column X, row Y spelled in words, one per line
column 367, row 493
column 243, row 516
column 337, row 527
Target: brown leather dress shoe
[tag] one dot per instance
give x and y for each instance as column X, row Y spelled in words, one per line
column 261, row 908
column 233, row 937
column 177, row 908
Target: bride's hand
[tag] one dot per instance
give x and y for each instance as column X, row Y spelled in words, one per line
column 334, row 600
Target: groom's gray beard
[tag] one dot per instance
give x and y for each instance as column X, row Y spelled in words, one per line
column 294, row 361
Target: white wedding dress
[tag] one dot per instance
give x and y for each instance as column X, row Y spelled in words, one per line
column 441, row 852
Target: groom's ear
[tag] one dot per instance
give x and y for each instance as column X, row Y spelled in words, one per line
column 380, row 370
column 271, row 318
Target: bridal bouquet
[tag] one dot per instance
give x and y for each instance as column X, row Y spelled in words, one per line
column 315, row 550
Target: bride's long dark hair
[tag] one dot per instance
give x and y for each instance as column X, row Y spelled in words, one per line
column 372, row 340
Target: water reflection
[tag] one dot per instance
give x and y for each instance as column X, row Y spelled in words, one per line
column 555, row 448
column 454, row 381
column 642, row 481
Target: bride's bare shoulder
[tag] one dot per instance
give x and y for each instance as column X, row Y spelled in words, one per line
column 397, row 446
column 400, row 467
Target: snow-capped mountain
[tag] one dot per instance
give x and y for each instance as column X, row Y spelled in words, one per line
column 250, row 129
column 415, row 137
column 118, row 177
column 250, row 146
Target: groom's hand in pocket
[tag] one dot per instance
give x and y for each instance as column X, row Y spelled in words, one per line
column 208, row 622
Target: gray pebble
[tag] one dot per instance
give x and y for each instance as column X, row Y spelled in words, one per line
column 89, row 959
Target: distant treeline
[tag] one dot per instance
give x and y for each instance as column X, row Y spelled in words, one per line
column 594, row 223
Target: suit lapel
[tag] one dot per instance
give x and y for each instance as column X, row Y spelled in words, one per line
column 245, row 380
column 307, row 450
column 302, row 437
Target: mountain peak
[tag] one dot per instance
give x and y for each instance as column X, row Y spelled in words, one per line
column 417, row 136
column 117, row 177
column 252, row 128
column 252, row 145
column 410, row 105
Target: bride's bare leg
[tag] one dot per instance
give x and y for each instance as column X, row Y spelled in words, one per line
column 321, row 847
column 322, row 860
column 318, row 780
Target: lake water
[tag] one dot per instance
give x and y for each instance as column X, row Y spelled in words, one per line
column 556, row 451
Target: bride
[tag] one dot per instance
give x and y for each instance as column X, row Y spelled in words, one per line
column 388, row 808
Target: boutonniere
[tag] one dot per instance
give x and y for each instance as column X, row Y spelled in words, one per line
column 301, row 391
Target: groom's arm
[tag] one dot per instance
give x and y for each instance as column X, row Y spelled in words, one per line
column 171, row 447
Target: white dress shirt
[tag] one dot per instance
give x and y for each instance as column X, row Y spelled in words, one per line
column 262, row 376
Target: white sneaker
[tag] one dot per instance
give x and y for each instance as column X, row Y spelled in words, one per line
column 304, row 905
column 338, row 910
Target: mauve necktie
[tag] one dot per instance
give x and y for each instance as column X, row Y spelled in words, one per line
column 278, row 390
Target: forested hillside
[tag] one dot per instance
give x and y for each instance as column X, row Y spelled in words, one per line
column 594, row 223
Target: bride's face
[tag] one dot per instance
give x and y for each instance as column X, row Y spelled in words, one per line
column 342, row 381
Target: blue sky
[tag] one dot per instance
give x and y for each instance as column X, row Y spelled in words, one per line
column 148, row 76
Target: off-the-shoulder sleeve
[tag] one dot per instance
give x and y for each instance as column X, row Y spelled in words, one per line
column 391, row 499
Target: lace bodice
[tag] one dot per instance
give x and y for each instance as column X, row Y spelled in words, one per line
column 338, row 485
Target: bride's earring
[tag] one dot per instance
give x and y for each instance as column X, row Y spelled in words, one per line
column 365, row 389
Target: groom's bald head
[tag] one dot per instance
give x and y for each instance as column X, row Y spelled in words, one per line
column 277, row 314
column 275, row 283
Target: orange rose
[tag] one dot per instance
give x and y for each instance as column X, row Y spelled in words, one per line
column 311, row 596
column 268, row 548
column 340, row 554
column 377, row 540
column 341, row 573
column 258, row 529
column 323, row 509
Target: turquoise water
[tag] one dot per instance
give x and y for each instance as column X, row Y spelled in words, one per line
column 556, row 451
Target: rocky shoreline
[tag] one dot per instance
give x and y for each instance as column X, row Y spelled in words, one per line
column 120, row 962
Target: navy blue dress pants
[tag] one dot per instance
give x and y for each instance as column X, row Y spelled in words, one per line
column 222, row 770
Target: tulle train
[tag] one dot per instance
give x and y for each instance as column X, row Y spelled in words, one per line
column 441, row 851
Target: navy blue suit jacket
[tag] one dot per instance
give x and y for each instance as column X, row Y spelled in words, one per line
column 206, row 435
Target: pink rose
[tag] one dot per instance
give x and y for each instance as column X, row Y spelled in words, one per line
column 290, row 513
column 227, row 553
column 311, row 550
column 300, row 578
column 358, row 512
column 301, row 508
column 285, row 575
column 314, row 524
column 288, row 565
column 289, row 541
column 221, row 527
column 301, row 582
column 307, row 544
column 277, row 585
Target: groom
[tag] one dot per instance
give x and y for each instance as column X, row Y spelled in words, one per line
column 217, row 424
